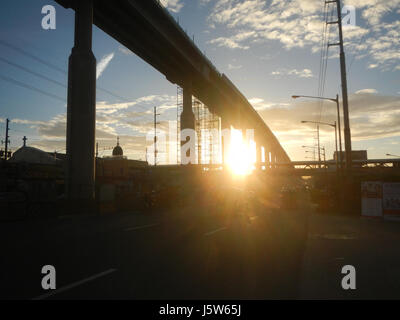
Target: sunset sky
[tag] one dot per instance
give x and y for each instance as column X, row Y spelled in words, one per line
column 269, row 49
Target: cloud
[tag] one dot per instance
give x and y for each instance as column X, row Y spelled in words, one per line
column 204, row 2
column 286, row 21
column 366, row 91
column 172, row 5
column 299, row 23
column 372, row 116
column 125, row 51
column 234, row 67
column 259, row 104
column 374, row 10
column 305, row 73
column 229, row 43
column 26, row 121
column 103, row 63
column 131, row 119
column 144, row 104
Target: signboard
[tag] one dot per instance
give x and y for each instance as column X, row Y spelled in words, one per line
column 371, row 199
column 391, row 200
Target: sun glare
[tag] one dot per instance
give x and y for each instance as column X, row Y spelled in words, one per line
column 241, row 157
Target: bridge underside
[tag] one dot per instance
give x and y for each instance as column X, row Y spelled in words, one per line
column 148, row 30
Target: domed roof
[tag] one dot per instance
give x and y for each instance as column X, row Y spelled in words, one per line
column 117, row 151
column 32, row 155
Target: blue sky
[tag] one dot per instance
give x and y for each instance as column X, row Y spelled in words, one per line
column 269, row 49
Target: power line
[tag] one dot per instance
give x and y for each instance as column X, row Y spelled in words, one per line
column 324, row 26
column 52, row 80
column 24, row 52
column 32, row 72
column 27, row 86
column 322, row 62
column 325, row 58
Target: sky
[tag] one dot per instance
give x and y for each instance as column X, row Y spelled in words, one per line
column 270, row 50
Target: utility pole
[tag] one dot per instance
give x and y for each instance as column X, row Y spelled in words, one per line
column 324, row 154
column 24, row 140
column 97, row 149
column 340, row 135
column 319, row 147
column 7, row 141
column 347, row 134
column 155, row 135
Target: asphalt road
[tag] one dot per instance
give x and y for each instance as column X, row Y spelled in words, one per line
column 191, row 254
column 370, row 245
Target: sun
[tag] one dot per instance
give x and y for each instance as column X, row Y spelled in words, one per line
column 241, row 156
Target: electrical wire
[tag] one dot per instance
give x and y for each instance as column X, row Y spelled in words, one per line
column 27, row 86
column 26, row 53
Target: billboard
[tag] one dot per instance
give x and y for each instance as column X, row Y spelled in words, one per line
column 371, row 199
column 391, row 200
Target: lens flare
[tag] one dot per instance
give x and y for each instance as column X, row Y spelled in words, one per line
column 241, row 156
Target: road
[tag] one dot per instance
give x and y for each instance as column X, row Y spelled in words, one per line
column 370, row 245
column 190, row 254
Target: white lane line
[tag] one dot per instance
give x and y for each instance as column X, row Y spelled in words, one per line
column 214, row 231
column 75, row 284
column 142, row 227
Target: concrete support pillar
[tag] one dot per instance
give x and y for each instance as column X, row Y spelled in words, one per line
column 257, row 140
column 266, row 155
column 258, row 155
column 81, row 109
column 274, row 158
column 187, row 119
column 263, row 160
column 225, row 140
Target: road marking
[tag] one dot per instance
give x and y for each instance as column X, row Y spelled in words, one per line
column 333, row 236
column 214, row 231
column 73, row 285
column 142, row 227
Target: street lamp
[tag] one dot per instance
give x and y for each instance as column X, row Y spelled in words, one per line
column 338, row 122
column 336, row 144
column 313, row 152
column 392, row 155
column 311, row 147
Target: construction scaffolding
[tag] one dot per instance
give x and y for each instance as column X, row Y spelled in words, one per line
column 179, row 109
column 208, row 134
column 208, row 131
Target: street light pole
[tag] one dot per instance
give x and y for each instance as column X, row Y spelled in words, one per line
column 336, row 144
column 392, row 155
column 155, row 135
column 347, row 135
column 319, row 147
column 336, row 147
column 338, row 122
column 340, row 134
